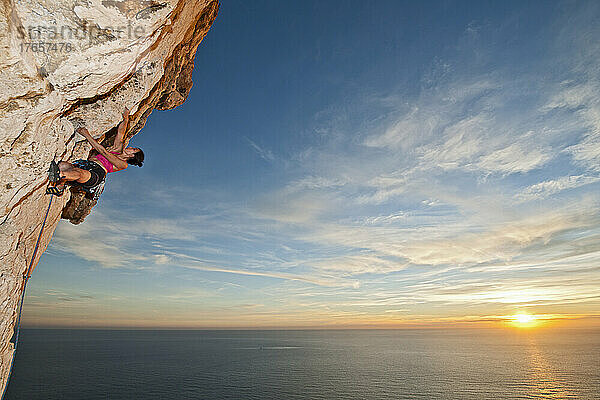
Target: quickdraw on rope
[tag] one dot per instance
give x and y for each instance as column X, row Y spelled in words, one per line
column 29, row 270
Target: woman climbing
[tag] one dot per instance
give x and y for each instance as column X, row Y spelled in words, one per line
column 89, row 173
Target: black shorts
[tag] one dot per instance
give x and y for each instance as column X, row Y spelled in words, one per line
column 98, row 173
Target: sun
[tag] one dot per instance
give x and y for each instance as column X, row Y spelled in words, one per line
column 523, row 320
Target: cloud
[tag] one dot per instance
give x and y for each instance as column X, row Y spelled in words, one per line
column 587, row 153
column 581, row 101
column 82, row 243
column 284, row 276
column 513, row 158
column 313, row 183
column 389, row 249
column 265, row 154
column 361, row 263
column 295, row 207
column 162, row 259
column 113, row 240
column 547, row 188
column 386, row 187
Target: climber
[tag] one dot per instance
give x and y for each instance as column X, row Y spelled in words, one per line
column 89, row 173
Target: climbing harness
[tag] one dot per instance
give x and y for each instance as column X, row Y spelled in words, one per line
column 29, row 270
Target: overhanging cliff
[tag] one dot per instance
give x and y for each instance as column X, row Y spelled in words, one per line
column 70, row 62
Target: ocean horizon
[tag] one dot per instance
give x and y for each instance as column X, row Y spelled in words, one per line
column 455, row 363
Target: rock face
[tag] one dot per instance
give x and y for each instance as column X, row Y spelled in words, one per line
column 66, row 63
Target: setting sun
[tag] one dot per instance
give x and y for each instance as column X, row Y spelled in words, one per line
column 523, row 320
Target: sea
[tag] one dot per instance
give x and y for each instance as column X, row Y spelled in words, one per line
column 306, row 364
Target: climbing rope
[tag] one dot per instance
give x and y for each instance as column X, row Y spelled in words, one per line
column 29, row 270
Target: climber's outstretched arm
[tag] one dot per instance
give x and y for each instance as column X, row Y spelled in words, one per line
column 119, row 143
column 114, row 160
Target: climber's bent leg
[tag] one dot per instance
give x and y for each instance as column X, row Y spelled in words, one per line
column 70, row 173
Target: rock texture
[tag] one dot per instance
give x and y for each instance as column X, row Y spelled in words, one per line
column 64, row 63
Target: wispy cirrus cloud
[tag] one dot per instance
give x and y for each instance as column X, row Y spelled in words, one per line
column 548, row 188
column 265, row 154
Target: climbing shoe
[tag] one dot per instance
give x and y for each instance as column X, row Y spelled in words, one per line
column 55, row 190
column 53, row 172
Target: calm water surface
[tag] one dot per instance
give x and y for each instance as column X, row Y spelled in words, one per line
column 362, row 364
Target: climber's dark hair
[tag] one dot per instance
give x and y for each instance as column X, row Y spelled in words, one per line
column 137, row 158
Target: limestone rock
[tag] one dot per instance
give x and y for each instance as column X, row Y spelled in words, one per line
column 64, row 63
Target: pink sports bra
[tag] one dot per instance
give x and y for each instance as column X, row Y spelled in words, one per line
column 108, row 166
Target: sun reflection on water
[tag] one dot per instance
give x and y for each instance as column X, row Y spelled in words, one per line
column 543, row 375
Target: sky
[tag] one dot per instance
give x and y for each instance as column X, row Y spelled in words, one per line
column 354, row 164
